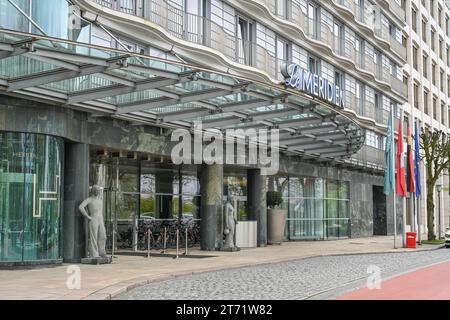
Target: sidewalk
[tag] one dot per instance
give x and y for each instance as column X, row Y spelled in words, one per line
column 127, row 272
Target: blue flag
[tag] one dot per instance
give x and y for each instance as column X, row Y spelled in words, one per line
column 389, row 177
column 417, row 162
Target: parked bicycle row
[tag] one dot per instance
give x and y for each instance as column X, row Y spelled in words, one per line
column 162, row 233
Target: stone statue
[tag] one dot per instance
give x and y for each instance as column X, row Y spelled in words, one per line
column 230, row 225
column 97, row 231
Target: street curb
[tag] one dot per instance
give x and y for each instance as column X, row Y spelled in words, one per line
column 112, row 291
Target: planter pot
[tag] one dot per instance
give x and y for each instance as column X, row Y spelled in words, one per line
column 276, row 223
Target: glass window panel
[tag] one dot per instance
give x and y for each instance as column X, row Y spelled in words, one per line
column 30, row 197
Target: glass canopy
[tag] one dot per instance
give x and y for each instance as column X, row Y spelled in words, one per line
column 150, row 90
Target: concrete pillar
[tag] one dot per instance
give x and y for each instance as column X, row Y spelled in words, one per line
column 211, row 227
column 164, row 185
column 257, row 203
column 76, row 189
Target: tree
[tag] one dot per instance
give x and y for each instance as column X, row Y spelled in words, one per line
column 436, row 153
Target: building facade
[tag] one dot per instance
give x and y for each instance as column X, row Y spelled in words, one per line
column 91, row 91
column 428, row 76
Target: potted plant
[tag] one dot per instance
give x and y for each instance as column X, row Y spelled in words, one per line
column 276, row 218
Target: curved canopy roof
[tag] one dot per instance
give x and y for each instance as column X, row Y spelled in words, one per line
column 149, row 90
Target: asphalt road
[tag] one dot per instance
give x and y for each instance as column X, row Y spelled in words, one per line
column 315, row 278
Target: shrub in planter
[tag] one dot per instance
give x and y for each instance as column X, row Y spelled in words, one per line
column 274, row 199
column 276, row 218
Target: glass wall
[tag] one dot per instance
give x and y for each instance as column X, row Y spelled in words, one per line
column 30, row 197
column 54, row 17
column 318, row 209
column 138, row 193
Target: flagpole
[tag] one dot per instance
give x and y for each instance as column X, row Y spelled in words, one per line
column 418, row 187
column 403, row 198
column 412, row 193
column 404, row 222
column 393, row 168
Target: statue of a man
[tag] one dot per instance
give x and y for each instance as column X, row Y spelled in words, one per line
column 97, row 231
column 230, row 224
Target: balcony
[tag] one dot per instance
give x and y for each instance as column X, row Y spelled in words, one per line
column 399, row 86
column 398, row 48
column 202, row 31
column 348, row 4
column 382, row 32
column 370, row 157
column 397, row 9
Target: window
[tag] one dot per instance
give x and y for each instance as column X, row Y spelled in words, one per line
column 282, row 53
column 434, row 107
column 415, row 57
column 313, row 65
column 245, row 39
column 432, row 39
column 312, row 15
column 425, row 103
column 425, row 65
column 424, row 30
column 443, row 113
column 433, row 73
column 414, row 19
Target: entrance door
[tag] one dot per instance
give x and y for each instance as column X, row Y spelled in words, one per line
column 379, row 212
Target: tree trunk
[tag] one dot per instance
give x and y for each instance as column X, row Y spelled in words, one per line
column 430, row 213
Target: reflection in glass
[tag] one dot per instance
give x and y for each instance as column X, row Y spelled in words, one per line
column 30, row 197
column 318, row 209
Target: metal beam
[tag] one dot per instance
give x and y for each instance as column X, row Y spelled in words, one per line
column 183, row 115
column 323, row 146
column 13, row 53
column 317, row 129
column 116, row 78
column 78, row 58
column 55, row 62
column 38, row 79
column 321, row 152
column 115, row 90
column 222, row 122
column 248, row 104
column 228, row 108
column 166, row 102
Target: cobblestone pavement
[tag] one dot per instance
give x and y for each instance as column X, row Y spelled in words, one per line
column 300, row 279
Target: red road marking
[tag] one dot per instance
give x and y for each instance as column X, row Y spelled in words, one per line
column 431, row 283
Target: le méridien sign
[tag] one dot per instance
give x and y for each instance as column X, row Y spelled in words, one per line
column 313, row 84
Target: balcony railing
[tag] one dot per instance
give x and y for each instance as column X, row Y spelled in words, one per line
column 370, row 156
column 399, row 86
column 366, row 109
column 202, row 31
column 398, row 48
column 397, row 9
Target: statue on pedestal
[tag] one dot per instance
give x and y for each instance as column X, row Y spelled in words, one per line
column 229, row 231
column 97, row 231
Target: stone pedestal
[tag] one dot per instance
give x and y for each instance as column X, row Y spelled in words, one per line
column 97, row 261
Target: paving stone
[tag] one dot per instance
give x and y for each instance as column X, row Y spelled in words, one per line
column 286, row 280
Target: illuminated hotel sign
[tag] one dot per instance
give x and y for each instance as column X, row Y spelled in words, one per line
column 313, row 84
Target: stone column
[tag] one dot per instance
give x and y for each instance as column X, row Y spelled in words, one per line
column 211, row 212
column 76, row 189
column 257, row 203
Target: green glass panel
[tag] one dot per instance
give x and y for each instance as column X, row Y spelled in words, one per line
column 31, row 197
